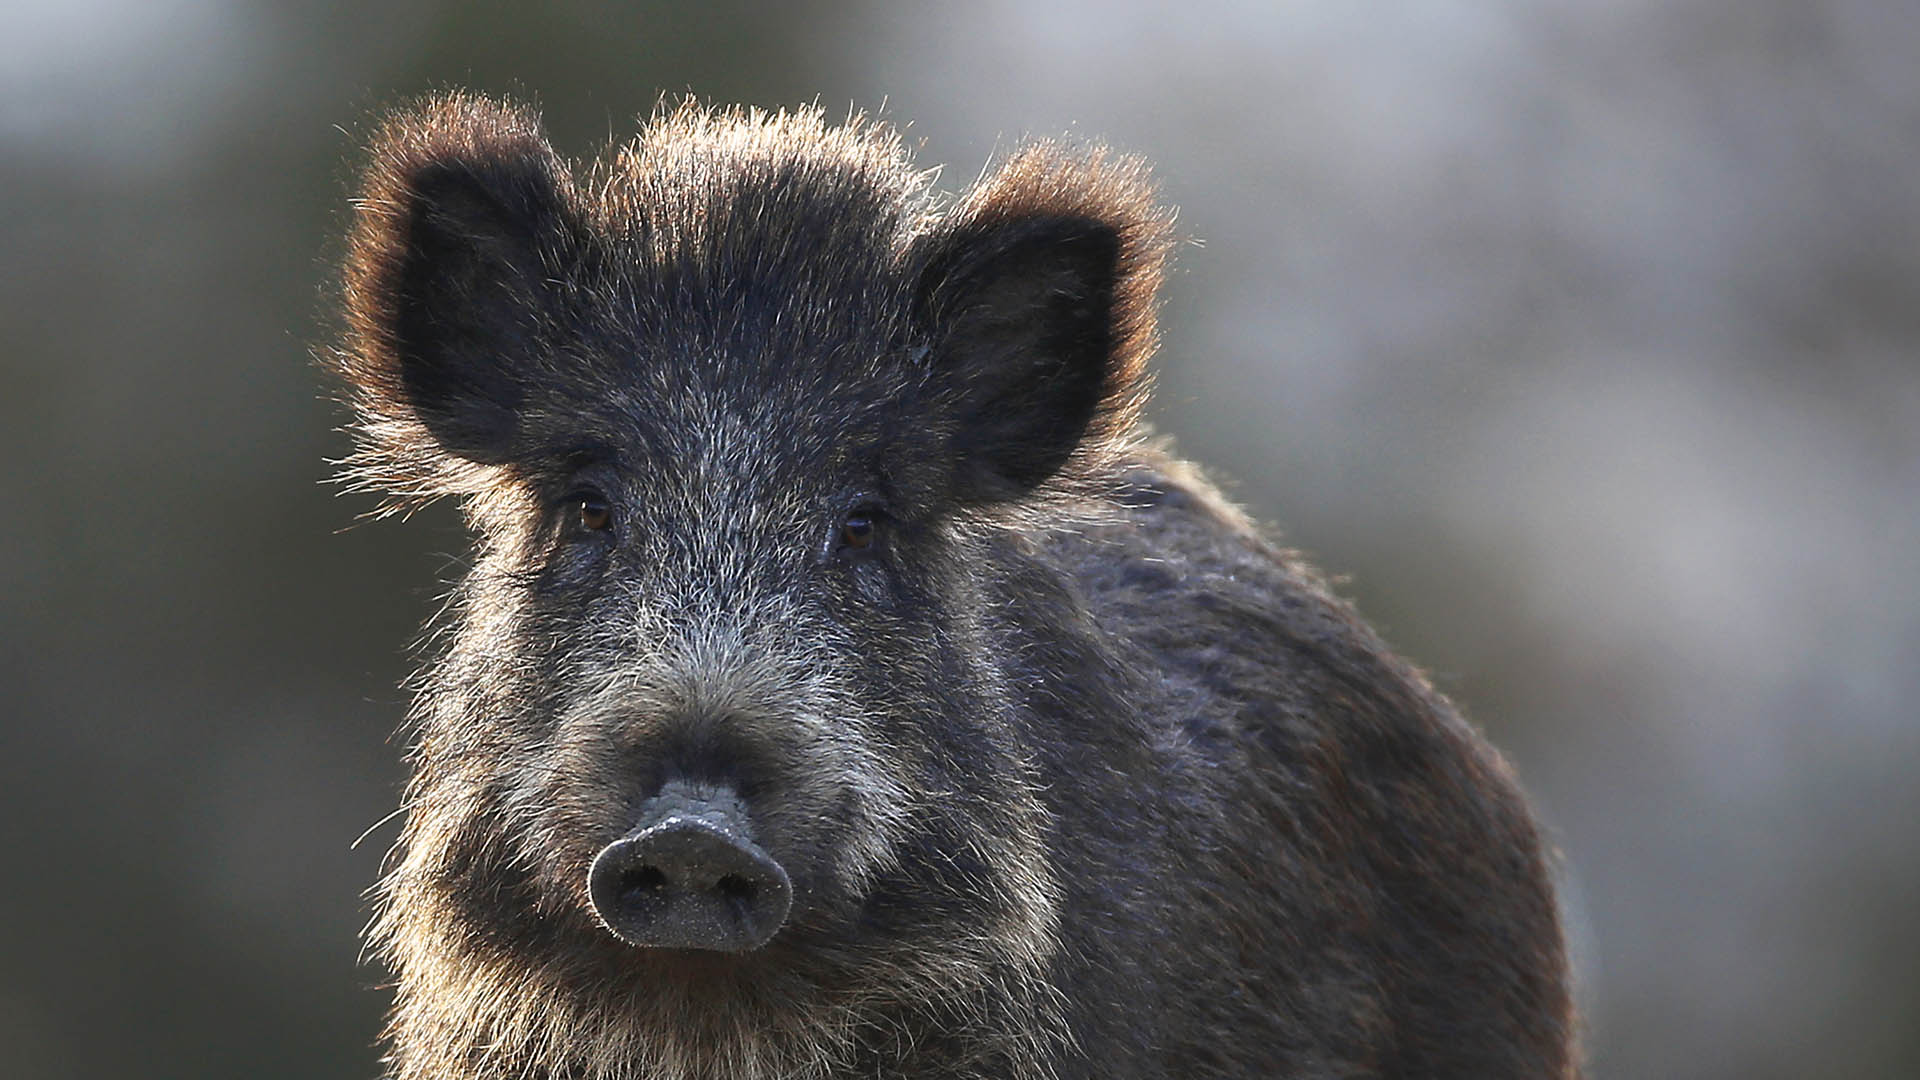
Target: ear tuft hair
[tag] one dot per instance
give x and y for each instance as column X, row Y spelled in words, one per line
column 463, row 210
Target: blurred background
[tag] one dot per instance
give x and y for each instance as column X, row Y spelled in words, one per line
column 1582, row 337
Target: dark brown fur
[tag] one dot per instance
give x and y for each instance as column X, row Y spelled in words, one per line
column 1075, row 772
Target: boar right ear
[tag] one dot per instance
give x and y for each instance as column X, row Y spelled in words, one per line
column 1038, row 301
column 463, row 225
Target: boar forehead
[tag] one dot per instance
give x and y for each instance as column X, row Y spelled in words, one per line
column 750, row 330
column 762, row 414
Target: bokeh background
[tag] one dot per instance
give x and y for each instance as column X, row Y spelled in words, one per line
column 1580, row 336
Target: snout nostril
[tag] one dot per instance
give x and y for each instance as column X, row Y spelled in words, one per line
column 735, row 889
column 642, row 882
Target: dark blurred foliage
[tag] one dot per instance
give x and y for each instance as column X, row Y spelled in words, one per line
column 1580, row 335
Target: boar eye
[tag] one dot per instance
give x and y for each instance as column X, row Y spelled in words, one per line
column 596, row 514
column 859, row 529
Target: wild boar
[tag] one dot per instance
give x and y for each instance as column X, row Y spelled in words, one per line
column 845, row 683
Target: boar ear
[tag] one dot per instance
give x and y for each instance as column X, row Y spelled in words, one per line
column 463, row 225
column 1038, row 302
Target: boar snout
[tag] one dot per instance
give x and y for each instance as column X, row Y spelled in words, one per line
column 689, row 876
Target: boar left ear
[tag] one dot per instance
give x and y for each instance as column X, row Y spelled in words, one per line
column 1038, row 306
column 464, row 223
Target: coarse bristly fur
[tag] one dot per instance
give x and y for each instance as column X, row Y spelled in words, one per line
column 792, row 478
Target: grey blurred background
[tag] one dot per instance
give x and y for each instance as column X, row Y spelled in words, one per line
column 1579, row 335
